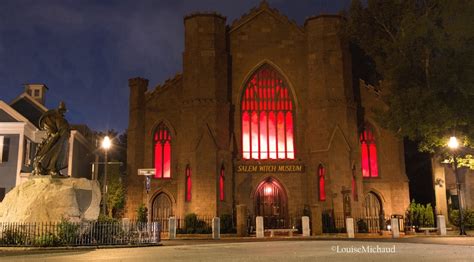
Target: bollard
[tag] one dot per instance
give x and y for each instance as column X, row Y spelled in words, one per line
column 350, row 227
column 441, row 222
column 394, row 227
column 242, row 230
column 156, row 232
column 259, row 227
column 305, row 225
column 172, row 228
column 216, row 228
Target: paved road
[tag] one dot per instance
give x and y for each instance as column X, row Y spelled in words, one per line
column 317, row 250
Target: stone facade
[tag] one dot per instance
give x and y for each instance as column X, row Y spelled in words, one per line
column 202, row 109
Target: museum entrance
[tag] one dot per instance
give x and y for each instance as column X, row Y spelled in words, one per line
column 271, row 204
column 161, row 210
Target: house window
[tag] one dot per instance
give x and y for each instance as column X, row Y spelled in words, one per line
column 222, row 184
column 322, row 186
column 162, row 151
column 267, row 117
column 369, row 153
column 188, row 183
column 4, row 149
column 28, row 153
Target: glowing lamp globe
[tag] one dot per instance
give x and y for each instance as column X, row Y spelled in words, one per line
column 106, row 143
column 453, row 142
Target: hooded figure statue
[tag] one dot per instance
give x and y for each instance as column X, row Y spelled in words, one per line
column 51, row 155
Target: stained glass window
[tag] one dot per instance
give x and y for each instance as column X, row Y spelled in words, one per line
column 162, row 162
column 322, row 186
column 267, row 117
column 188, row 183
column 369, row 153
column 222, row 184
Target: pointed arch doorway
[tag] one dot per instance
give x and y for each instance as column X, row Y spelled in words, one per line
column 271, row 203
column 161, row 209
column 374, row 212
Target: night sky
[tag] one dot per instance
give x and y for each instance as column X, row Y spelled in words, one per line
column 85, row 51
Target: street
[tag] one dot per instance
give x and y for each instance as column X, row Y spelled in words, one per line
column 415, row 249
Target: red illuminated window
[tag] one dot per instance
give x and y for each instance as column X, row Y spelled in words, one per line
column 369, row 153
column 162, row 162
column 222, row 184
column 267, row 117
column 188, row 183
column 322, row 178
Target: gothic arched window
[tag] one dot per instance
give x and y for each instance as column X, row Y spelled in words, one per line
column 162, row 151
column 188, row 183
column 267, row 117
column 369, row 153
column 222, row 184
column 322, row 183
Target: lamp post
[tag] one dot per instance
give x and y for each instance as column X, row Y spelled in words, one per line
column 453, row 144
column 106, row 144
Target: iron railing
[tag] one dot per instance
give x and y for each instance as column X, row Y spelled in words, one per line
column 203, row 225
column 78, row 234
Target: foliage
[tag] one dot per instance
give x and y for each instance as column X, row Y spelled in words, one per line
column 142, row 213
column 116, row 191
column 106, row 219
column 227, row 224
column 68, row 232
column 13, row 237
column 423, row 52
column 468, row 218
column 47, row 240
column 193, row 225
column 419, row 215
column 362, row 226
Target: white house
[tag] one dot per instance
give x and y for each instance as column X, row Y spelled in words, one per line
column 20, row 135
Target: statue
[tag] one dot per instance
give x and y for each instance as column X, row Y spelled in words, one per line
column 51, row 155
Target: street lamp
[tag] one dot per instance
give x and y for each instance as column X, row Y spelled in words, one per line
column 106, row 144
column 453, row 144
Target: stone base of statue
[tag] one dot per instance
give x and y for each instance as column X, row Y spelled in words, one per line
column 51, row 199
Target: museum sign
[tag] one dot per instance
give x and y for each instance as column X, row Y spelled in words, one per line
column 270, row 168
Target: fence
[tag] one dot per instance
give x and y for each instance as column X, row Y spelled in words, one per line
column 202, row 225
column 335, row 223
column 78, row 234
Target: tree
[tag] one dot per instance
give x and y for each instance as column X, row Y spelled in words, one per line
column 115, row 175
column 424, row 54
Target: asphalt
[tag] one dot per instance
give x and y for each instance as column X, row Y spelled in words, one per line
column 268, row 249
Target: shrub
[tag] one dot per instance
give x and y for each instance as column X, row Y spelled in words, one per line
column 142, row 213
column 362, row 226
column 419, row 215
column 47, row 240
column 227, row 224
column 13, row 237
column 193, row 225
column 468, row 218
column 68, row 232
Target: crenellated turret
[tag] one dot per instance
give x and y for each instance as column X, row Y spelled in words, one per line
column 205, row 57
column 135, row 149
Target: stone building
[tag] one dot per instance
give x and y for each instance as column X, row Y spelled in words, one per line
column 265, row 115
column 445, row 187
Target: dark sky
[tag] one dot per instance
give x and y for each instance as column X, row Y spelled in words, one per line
column 86, row 50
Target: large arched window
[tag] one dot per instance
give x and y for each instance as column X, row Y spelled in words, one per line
column 369, row 153
column 322, row 183
column 267, row 117
column 188, row 183
column 222, row 184
column 162, row 151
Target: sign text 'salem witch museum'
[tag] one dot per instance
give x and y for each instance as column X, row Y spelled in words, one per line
column 264, row 114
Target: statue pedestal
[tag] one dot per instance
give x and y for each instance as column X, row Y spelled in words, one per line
column 48, row 199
